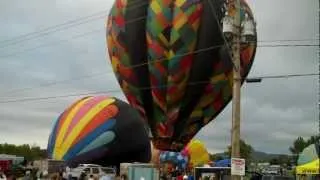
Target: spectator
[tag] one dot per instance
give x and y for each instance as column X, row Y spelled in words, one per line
column 83, row 176
column 27, row 176
column 91, row 177
column 2, row 175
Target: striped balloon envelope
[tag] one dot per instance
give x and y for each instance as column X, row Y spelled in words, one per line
column 100, row 130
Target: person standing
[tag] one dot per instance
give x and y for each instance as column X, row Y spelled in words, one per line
column 2, row 175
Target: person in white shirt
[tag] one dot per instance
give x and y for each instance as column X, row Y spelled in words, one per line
column 91, row 177
column 2, row 176
column 185, row 177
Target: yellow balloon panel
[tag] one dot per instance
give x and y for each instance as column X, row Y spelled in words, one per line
column 198, row 153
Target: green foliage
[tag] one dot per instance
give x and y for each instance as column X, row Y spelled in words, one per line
column 300, row 144
column 28, row 152
column 281, row 160
column 215, row 157
column 245, row 150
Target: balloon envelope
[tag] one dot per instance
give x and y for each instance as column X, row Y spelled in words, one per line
column 100, row 130
column 197, row 152
column 309, row 154
column 175, row 158
column 172, row 63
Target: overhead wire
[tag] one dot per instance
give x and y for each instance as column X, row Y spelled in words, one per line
column 145, row 63
column 56, row 82
column 104, row 73
column 137, row 19
column 146, row 88
column 50, row 44
column 59, row 27
column 20, row 37
column 98, row 30
column 90, row 76
column 140, row 18
column 68, row 24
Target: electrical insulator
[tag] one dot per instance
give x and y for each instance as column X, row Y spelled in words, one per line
column 227, row 26
column 248, row 32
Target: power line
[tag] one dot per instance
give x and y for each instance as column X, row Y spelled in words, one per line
column 98, row 30
column 75, row 22
column 56, row 82
column 66, row 40
column 141, row 18
column 63, row 26
column 291, row 45
column 285, row 76
column 137, row 19
column 50, row 44
column 146, row 88
column 43, row 34
column 134, row 66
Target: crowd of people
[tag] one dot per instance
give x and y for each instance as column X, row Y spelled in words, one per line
column 175, row 175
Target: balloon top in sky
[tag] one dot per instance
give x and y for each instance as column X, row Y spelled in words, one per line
column 101, row 130
column 172, row 63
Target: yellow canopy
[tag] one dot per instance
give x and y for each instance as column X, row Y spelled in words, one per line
column 309, row 168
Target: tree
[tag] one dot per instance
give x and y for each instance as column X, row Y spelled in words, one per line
column 281, row 160
column 245, row 150
column 28, row 152
column 313, row 140
column 275, row 161
column 215, row 157
column 298, row 145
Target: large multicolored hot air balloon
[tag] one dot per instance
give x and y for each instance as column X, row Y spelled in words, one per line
column 101, row 130
column 197, row 152
column 172, row 63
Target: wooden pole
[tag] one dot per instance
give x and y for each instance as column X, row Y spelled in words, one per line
column 235, row 138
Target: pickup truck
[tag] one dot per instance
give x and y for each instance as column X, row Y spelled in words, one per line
column 95, row 170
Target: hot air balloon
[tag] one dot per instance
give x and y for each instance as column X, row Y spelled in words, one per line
column 197, row 152
column 101, row 130
column 176, row 159
column 173, row 64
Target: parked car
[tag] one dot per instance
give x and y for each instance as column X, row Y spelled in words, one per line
column 269, row 177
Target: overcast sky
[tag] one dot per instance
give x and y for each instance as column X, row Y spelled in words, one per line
column 274, row 112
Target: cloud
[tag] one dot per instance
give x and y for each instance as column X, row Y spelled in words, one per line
column 273, row 112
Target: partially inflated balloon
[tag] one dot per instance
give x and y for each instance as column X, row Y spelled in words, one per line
column 101, row 130
column 175, row 158
column 197, row 152
column 171, row 61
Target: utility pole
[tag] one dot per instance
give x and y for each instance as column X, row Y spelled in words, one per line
column 235, row 138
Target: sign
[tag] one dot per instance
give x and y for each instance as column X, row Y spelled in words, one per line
column 238, row 166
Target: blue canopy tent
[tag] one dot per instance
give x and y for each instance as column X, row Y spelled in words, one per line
column 223, row 163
